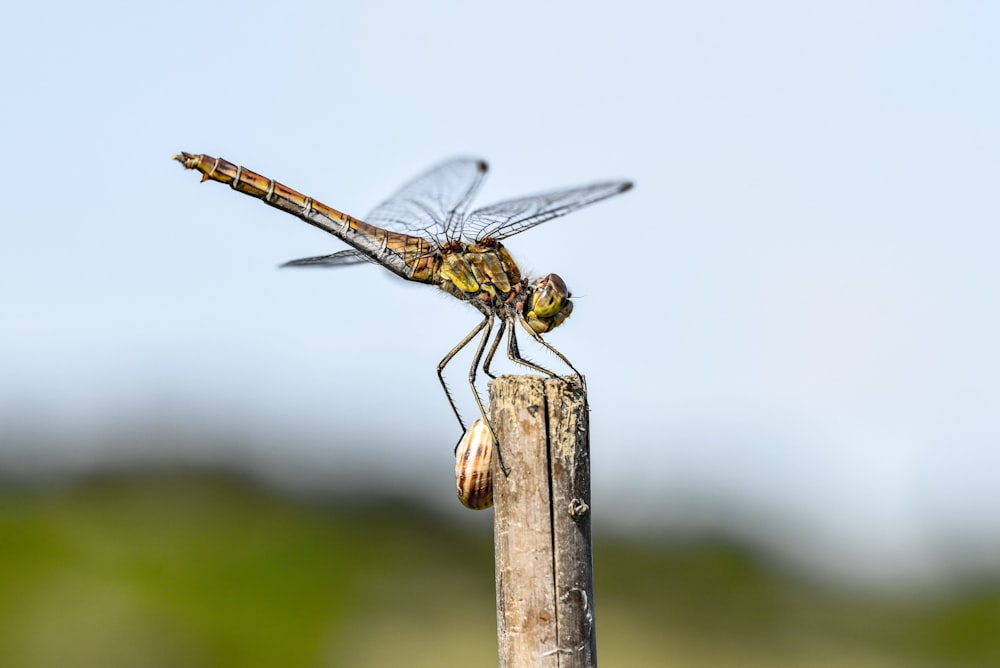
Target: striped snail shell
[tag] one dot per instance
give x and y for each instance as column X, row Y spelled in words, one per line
column 474, row 467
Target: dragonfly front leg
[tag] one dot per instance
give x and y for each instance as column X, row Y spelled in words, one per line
column 515, row 355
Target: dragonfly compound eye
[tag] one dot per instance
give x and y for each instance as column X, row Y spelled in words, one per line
column 549, row 304
column 550, row 293
column 474, row 467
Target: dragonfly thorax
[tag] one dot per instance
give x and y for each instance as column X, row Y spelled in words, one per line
column 483, row 273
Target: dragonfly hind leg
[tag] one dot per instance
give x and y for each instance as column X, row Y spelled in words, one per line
column 451, row 354
column 486, row 323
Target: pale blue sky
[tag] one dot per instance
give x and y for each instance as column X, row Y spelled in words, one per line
column 789, row 327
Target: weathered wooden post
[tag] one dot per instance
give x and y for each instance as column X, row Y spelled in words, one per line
column 544, row 562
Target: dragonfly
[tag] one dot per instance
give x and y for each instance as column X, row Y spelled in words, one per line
column 425, row 233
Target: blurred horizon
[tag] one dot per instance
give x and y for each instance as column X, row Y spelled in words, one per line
column 349, row 474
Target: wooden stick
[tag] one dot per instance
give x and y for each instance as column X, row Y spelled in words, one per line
column 544, row 564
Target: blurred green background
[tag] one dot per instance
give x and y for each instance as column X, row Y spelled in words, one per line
column 183, row 567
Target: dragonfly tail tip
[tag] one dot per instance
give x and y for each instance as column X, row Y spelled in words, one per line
column 185, row 158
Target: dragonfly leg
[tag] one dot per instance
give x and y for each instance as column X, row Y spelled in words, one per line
column 515, row 355
column 477, row 358
column 493, row 349
column 447, row 358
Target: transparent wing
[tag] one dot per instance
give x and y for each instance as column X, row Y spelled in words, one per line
column 433, row 204
column 507, row 218
column 338, row 259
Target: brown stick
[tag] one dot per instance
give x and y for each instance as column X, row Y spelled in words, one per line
column 544, row 565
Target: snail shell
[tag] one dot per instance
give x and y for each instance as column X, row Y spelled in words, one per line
column 474, row 467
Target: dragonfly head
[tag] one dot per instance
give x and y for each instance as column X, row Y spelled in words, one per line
column 548, row 305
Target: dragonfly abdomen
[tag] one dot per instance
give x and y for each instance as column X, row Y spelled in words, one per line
column 410, row 257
